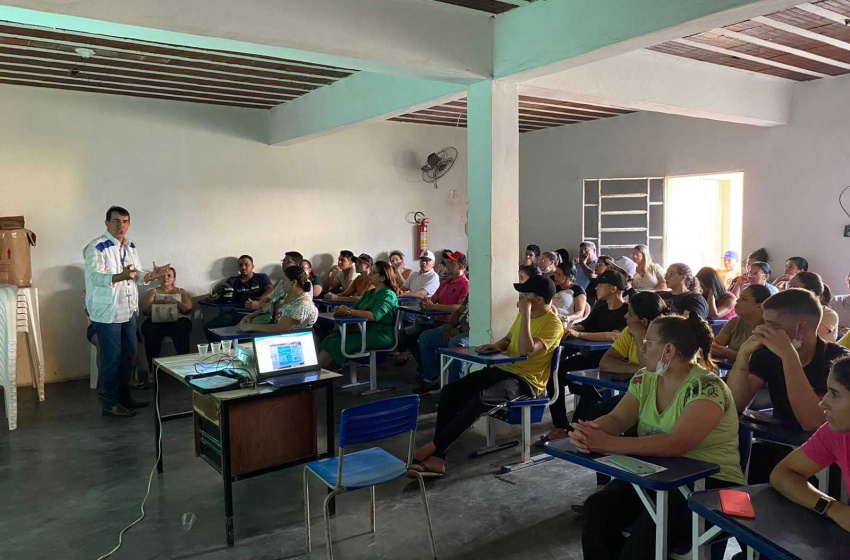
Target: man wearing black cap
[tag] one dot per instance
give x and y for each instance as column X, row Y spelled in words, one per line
column 536, row 333
column 359, row 285
column 604, row 323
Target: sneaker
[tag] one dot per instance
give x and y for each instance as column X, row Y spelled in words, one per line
column 425, row 388
column 133, row 403
column 117, row 411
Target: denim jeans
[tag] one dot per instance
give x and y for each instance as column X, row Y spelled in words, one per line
column 429, row 342
column 117, row 342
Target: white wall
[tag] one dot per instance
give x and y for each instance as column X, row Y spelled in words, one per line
column 792, row 174
column 202, row 188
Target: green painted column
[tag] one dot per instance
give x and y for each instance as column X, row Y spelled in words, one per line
column 493, row 143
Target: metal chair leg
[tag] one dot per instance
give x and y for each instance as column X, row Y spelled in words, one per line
column 328, row 540
column 307, row 511
column 427, row 512
column 372, row 489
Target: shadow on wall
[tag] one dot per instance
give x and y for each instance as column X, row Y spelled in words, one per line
column 322, row 263
column 223, row 268
column 63, row 325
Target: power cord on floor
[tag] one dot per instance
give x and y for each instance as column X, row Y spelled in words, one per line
column 150, row 478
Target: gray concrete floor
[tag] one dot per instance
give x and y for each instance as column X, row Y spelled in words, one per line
column 70, row 480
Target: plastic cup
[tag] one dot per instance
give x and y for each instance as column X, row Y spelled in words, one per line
column 216, row 347
column 203, row 349
column 226, row 345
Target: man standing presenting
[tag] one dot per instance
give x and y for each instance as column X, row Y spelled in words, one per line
column 112, row 270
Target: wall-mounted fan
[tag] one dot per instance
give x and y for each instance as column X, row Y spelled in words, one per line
column 438, row 165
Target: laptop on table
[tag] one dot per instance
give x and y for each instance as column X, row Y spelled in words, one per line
column 286, row 358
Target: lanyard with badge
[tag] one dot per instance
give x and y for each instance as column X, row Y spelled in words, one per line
column 129, row 287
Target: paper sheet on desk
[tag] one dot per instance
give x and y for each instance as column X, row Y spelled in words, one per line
column 607, row 460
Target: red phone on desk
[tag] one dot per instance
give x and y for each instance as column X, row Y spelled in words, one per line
column 737, row 503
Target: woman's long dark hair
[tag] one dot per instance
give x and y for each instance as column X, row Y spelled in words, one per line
column 709, row 278
column 386, row 270
column 299, row 276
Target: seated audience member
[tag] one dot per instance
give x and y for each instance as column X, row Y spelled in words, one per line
column 291, row 307
column 605, row 322
column 341, row 275
column 448, row 297
column 570, row 300
column 841, row 305
column 721, row 303
column 683, row 297
column 532, row 253
column 792, row 267
column 249, row 285
column 788, row 356
column 649, row 275
column 359, row 285
column 586, row 263
column 828, row 328
column 845, row 341
column 697, row 419
column 536, row 333
column 758, row 273
column 290, row 258
column 830, row 444
column 628, row 268
column 736, row 332
column 603, row 264
column 401, row 271
column 378, row 306
column 424, row 282
column 547, row 263
column 564, row 255
column 454, row 334
column 739, row 283
column 730, row 267
column 527, row 271
column 166, row 308
column 315, row 281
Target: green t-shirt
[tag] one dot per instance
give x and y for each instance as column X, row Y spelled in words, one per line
column 536, row 369
column 720, row 446
column 626, row 346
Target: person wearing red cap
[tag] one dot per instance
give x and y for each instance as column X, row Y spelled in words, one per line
column 448, row 297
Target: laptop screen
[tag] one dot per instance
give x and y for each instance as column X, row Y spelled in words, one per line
column 289, row 352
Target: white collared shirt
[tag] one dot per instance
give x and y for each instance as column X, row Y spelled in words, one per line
column 109, row 302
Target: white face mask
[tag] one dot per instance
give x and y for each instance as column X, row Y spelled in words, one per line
column 660, row 367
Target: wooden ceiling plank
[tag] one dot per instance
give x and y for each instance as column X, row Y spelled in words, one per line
column 410, row 121
column 598, row 108
column 823, row 12
column 106, row 63
column 802, row 32
column 89, row 89
column 432, row 119
column 745, row 56
column 198, row 66
column 61, row 77
column 170, row 51
column 14, row 64
column 564, row 110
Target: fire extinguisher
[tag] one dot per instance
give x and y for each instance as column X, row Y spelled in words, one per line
column 421, row 232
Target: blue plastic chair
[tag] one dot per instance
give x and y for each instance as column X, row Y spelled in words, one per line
column 524, row 412
column 369, row 467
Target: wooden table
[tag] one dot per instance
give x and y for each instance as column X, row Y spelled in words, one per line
column 248, row 432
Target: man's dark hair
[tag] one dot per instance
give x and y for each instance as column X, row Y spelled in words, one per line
column 534, row 249
column 347, row 254
column 295, row 256
column 796, row 301
column 530, row 270
column 800, row 263
column 763, row 266
column 121, row 212
column 249, row 257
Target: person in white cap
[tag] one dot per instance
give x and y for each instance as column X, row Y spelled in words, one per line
column 424, row 282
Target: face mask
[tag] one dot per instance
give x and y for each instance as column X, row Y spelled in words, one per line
column 661, row 367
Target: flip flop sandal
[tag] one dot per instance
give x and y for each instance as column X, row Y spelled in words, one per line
column 425, row 472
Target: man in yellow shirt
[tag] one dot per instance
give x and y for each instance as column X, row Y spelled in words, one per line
column 536, row 333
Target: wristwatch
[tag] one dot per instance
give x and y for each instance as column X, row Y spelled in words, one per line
column 822, row 506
